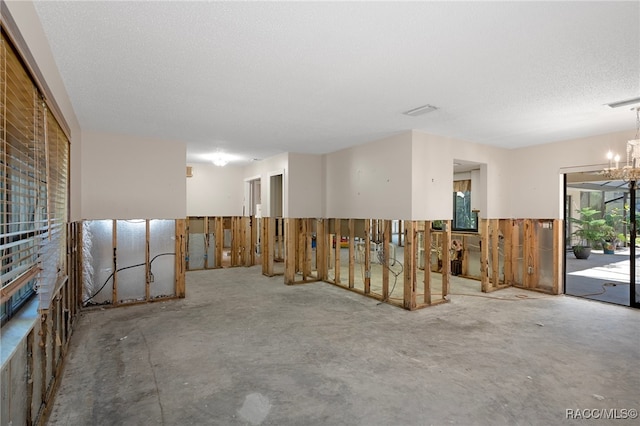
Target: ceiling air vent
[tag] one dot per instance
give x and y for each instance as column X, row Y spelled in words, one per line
column 424, row 109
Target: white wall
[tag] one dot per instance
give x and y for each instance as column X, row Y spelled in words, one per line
column 30, row 28
column 264, row 169
column 535, row 172
column 432, row 170
column 371, row 180
column 126, row 177
column 306, row 185
column 432, row 176
column 215, row 191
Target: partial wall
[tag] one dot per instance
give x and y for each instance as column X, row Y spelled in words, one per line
column 534, row 175
column 371, row 180
column 432, row 176
column 306, row 185
column 127, row 177
column 215, row 191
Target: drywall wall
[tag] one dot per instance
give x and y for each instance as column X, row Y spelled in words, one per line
column 432, row 177
column 127, row 177
column 306, row 185
column 28, row 24
column 264, row 169
column 371, row 180
column 432, row 174
column 535, row 172
column 215, row 191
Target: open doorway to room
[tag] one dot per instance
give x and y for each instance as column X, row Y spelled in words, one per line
column 468, row 192
column 253, row 209
column 274, row 254
column 600, row 254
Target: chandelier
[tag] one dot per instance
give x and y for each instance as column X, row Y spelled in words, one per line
column 631, row 170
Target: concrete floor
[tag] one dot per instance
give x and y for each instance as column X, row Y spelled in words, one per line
column 243, row 349
column 603, row 277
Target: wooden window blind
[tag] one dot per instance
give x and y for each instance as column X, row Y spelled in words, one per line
column 34, row 195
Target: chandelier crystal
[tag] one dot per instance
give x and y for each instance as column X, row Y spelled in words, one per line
column 631, row 170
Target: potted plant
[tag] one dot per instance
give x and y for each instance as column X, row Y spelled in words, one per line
column 610, row 239
column 617, row 219
column 590, row 230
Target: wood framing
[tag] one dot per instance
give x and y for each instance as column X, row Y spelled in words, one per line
column 336, row 243
column 290, row 251
column 352, row 254
column 386, row 241
column 114, row 240
column 484, row 255
column 531, row 250
column 147, row 265
column 321, row 244
column 268, row 239
column 495, row 253
column 409, row 266
column 367, row 256
column 219, row 241
column 558, row 227
column 506, row 227
column 446, row 259
column 180, row 266
column 426, row 238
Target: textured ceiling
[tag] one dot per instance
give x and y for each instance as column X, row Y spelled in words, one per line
column 260, row 78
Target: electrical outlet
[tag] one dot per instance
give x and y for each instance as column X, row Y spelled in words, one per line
column 530, row 270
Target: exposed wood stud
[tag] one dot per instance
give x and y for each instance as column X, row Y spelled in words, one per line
column 507, row 232
column 336, row 242
column 409, row 266
column 495, row 253
column 446, row 260
column 427, row 262
column 557, row 255
column 308, row 249
column 290, row 251
column 114, row 240
column 534, row 253
column 219, row 241
column 181, row 249
column 206, row 244
column 484, row 255
column 367, row 256
column 352, row 253
column 386, row 242
column 147, row 259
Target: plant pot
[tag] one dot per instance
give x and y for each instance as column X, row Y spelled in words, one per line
column 609, row 247
column 581, row 252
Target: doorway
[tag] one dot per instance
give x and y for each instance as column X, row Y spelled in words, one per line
column 600, row 218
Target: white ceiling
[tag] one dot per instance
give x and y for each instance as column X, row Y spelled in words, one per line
column 260, row 78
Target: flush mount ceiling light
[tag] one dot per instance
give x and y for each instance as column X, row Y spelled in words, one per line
column 424, row 109
column 619, row 104
column 220, row 159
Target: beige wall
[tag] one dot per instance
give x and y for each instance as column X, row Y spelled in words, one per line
column 535, row 172
column 306, row 185
column 28, row 22
column 432, row 177
column 126, row 177
column 215, row 191
column 432, row 171
column 371, row 180
column 264, row 169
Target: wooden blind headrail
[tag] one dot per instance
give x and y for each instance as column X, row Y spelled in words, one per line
column 15, row 285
